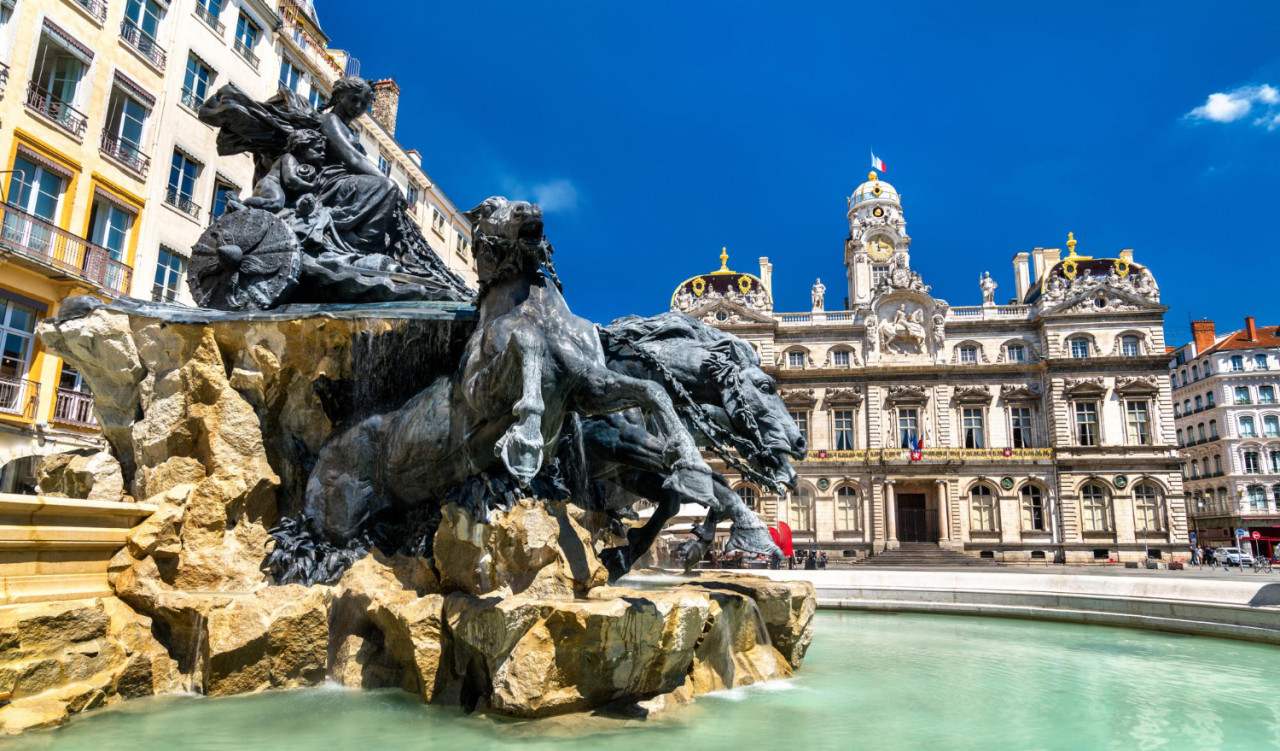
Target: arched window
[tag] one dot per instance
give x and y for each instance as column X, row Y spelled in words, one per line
column 1146, row 501
column 1130, row 346
column 1247, row 429
column 1217, row 464
column 1199, row 402
column 1200, row 432
column 1179, row 436
column 1275, row 494
column 848, row 510
column 1195, row 372
column 1271, row 426
column 982, row 509
column 1209, row 398
column 748, row 496
column 1079, row 347
column 1095, row 508
column 802, row 511
column 1033, row 517
column 1257, row 497
column 1213, row 428
column 1177, row 410
column 1237, row 363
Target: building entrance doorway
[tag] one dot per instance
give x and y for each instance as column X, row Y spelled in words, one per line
column 914, row 520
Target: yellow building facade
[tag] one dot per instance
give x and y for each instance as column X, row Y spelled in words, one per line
column 81, row 79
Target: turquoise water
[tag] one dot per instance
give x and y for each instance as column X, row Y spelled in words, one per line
column 871, row 681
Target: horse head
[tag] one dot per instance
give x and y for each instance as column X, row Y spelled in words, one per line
column 508, row 238
column 716, row 377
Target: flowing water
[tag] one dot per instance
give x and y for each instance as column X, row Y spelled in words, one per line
column 871, row 681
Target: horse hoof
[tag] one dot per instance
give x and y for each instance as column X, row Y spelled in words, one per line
column 752, row 540
column 521, row 453
column 693, row 481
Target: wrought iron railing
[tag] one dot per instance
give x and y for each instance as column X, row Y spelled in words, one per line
column 4, row 78
column 18, row 396
column 96, row 8
column 302, row 38
column 74, row 408
column 182, row 202
column 246, row 53
column 190, row 99
column 142, row 42
column 32, row 237
column 932, row 455
column 126, row 153
column 204, row 15
column 67, row 117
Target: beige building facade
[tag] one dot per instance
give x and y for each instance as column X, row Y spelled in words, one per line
column 1035, row 430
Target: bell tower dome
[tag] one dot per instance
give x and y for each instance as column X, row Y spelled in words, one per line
column 877, row 238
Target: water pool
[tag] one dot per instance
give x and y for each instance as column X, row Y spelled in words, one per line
column 869, row 681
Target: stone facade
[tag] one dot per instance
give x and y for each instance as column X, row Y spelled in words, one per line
column 1227, row 416
column 1040, row 429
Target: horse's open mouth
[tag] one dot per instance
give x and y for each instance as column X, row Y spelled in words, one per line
column 531, row 230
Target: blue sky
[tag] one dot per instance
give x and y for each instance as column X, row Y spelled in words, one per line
column 655, row 133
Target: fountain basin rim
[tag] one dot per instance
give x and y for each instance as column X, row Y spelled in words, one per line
column 444, row 311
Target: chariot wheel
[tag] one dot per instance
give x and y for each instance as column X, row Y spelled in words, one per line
column 246, row 260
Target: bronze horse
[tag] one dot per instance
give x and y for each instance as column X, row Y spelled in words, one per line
column 528, row 364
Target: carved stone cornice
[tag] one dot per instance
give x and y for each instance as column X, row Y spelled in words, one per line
column 1018, row 392
column 1138, row 385
column 797, row 396
column 907, row 393
column 972, row 395
column 851, row 395
column 1084, row 386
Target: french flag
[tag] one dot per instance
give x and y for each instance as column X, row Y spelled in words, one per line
column 877, row 164
column 917, row 449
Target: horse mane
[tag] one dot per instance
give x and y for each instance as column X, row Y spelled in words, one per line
column 510, row 260
column 676, row 325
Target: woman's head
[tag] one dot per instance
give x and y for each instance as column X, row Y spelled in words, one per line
column 351, row 96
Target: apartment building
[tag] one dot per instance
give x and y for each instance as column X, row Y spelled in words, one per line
column 1227, row 412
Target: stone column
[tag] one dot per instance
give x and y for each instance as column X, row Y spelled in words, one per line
column 944, row 531
column 890, row 515
column 868, row 519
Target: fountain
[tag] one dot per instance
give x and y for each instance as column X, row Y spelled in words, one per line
column 366, row 473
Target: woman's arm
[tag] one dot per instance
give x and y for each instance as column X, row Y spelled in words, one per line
column 341, row 150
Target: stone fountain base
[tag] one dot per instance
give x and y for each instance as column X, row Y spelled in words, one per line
column 492, row 623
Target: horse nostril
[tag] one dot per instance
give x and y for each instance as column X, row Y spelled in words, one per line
column 802, row 445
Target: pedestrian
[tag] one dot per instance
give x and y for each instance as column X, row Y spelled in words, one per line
column 810, row 561
column 822, row 560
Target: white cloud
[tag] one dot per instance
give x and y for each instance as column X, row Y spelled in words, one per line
column 558, row 195
column 1233, row 105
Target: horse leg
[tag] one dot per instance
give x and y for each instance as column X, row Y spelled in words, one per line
column 747, row 533
column 603, row 391
column 521, row 446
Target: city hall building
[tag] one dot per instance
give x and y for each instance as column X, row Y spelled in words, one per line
column 1040, row 429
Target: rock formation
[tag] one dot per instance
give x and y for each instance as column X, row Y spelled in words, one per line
column 92, row 475
column 214, row 419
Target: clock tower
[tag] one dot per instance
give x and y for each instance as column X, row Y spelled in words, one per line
column 877, row 239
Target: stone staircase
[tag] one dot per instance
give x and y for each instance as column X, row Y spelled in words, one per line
column 918, row 554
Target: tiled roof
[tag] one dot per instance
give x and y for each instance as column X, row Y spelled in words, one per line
column 1268, row 336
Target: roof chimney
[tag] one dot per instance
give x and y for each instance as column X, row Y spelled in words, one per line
column 1203, row 334
column 386, row 104
column 1251, row 329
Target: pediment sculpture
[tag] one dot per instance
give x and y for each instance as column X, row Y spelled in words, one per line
column 1087, row 385
column 844, row 395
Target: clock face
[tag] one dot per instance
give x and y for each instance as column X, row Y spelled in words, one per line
column 880, row 248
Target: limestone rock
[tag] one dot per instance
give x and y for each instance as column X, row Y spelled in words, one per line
column 276, row 638
column 88, row 474
column 538, row 549
column 530, row 657
column 787, row 607
column 386, row 625
column 59, row 658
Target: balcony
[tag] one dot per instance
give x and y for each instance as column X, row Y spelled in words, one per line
column 4, row 78
column 96, row 8
column 18, row 396
column 247, row 54
column 74, row 408
column 932, row 455
column 182, row 202
column 31, row 237
column 296, row 32
column 143, row 43
column 126, row 153
column 51, row 107
column 210, row 20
